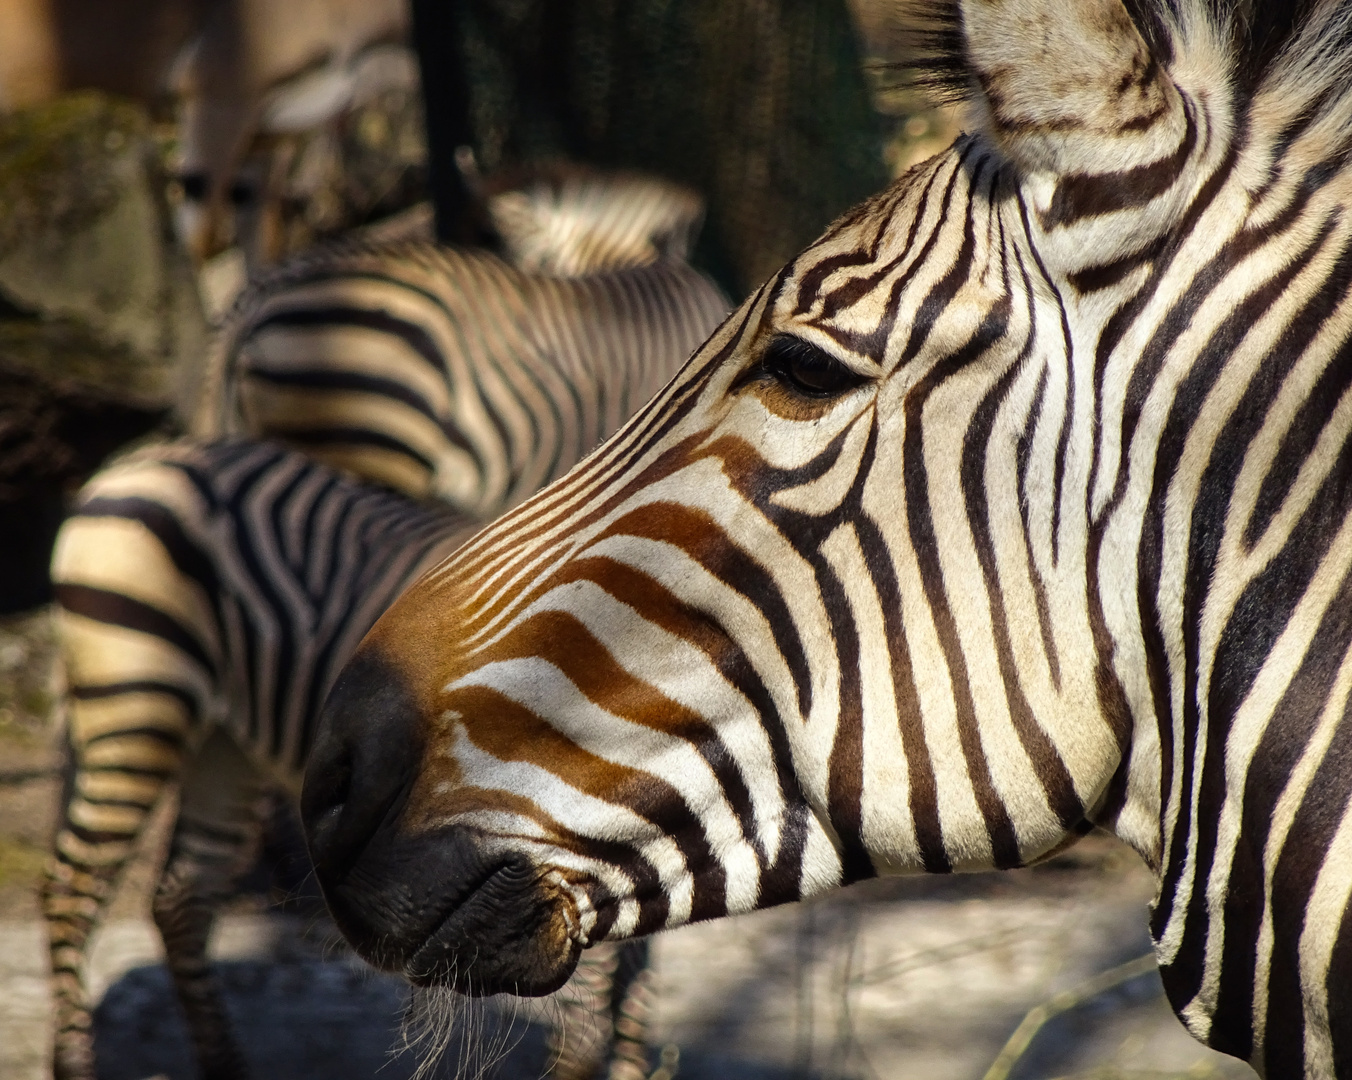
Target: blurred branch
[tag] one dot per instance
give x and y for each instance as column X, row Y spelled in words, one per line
column 941, row 954
column 1037, row 1018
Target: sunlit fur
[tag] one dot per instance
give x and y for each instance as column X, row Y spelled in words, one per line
column 1072, row 547
column 571, row 222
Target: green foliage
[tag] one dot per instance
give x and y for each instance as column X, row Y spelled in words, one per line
column 28, row 657
column 20, row 862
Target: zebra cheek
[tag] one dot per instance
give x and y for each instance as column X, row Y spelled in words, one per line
column 416, row 641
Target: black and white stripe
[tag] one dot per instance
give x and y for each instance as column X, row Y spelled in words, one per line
column 208, row 594
column 450, row 373
column 1019, row 502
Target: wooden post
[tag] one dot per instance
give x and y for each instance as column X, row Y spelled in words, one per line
column 436, row 39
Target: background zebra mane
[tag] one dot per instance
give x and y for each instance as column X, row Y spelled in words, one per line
column 1308, row 42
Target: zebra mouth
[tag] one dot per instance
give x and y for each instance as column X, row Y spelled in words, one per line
column 505, row 934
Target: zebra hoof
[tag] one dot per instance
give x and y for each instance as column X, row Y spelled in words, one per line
column 73, row 1059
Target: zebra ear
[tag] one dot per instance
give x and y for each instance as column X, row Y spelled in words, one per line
column 1099, row 115
column 1090, row 114
column 1069, row 87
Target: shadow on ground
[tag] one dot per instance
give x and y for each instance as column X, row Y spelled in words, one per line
column 307, row 1020
column 323, row 1020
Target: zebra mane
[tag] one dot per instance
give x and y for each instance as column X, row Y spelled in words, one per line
column 1308, row 42
column 929, row 36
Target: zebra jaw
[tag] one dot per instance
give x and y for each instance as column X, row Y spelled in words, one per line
column 442, row 906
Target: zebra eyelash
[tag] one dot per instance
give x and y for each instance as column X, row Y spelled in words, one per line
column 802, row 370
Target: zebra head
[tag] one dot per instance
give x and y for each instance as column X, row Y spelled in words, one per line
column 888, row 578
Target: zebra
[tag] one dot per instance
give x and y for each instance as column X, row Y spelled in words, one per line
column 208, row 593
column 461, row 375
column 1016, row 504
column 566, row 219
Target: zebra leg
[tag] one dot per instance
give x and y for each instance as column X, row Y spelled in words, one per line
column 215, row 838
column 600, row 1030
column 580, row 1037
column 631, row 1006
column 124, row 747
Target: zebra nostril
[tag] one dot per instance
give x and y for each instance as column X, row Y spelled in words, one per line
column 361, row 767
column 326, row 795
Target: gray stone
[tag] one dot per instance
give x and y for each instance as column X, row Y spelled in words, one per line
column 101, row 329
column 97, row 294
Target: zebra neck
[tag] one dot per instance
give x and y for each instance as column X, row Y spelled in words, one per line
column 1217, row 498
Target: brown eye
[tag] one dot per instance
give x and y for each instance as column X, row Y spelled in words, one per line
column 807, row 370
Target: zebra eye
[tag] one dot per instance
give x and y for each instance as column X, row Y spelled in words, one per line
column 807, row 370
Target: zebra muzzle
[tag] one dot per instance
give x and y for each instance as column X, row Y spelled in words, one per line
column 440, row 905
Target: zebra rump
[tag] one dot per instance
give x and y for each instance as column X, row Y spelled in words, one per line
column 207, row 595
column 244, row 574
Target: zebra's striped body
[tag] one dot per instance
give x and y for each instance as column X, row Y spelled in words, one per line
column 208, row 595
column 262, row 568
column 451, row 373
column 1020, row 501
column 567, row 220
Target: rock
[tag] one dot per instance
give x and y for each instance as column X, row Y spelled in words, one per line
column 100, row 324
column 97, row 292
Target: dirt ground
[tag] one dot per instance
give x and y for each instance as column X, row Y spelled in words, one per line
column 29, row 786
column 889, row 980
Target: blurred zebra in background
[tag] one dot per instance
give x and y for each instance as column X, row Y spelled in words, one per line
column 205, row 607
column 207, row 595
column 457, row 374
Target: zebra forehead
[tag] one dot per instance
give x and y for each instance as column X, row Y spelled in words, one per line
column 845, row 265
column 864, row 281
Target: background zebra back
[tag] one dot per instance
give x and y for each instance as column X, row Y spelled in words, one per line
column 228, row 582
column 570, row 220
column 451, row 373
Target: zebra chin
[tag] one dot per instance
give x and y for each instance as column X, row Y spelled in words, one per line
column 442, row 906
column 507, row 936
